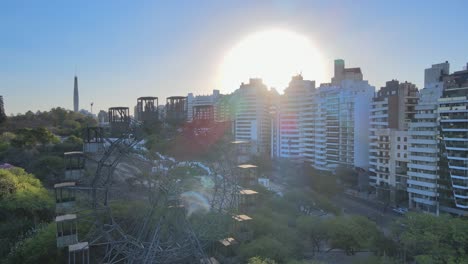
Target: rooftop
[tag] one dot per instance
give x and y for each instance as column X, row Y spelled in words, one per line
column 78, row 246
column 246, row 166
column 241, row 218
column 247, row 192
column 66, row 217
column 64, row 184
column 228, row 241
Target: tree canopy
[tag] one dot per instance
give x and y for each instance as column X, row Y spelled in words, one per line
column 24, row 204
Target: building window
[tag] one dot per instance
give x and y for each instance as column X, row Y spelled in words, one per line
column 405, row 139
column 398, row 138
column 398, row 146
column 405, row 147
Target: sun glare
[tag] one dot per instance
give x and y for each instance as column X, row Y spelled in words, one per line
column 274, row 56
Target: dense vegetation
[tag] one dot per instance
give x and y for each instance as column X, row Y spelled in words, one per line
column 36, row 142
column 25, row 205
column 302, row 225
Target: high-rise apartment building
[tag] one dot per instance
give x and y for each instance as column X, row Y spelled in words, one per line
column 438, row 168
column 334, row 125
column 343, row 73
column 286, row 121
column 453, row 164
column 76, row 99
column 392, row 108
column 252, row 118
column 435, row 73
column 199, row 100
column 424, row 151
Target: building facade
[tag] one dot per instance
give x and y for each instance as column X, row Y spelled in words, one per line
column 392, row 109
column 252, row 117
column 286, row 122
column 199, row 100
column 435, row 73
column 453, row 165
column 334, row 125
column 424, row 151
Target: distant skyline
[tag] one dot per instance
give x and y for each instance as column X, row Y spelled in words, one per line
column 122, row 50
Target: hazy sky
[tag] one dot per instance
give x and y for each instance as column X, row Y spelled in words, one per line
column 125, row 49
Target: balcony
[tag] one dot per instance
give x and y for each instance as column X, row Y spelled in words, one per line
column 423, row 124
column 423, row 184
column 422, row 175
column 425, row 116
column 422, row 192
column 423, row 167
column 424, row 158
column 424, row 201
column 423, row 150
column 423, row 133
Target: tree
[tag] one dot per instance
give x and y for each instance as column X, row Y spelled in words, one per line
column 28, row 138
column 41, row 247
column 22, row 191
column 313, row 230
column 431, row 239
column 49, row 168
column 24, row 204
column 351, row 233
column 267, row 247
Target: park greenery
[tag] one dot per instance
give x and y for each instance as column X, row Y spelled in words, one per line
column 25, row 206
column 296, row 228
column 37, row 141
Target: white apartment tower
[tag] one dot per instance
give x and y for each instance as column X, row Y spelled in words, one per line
column 334, row 125
column 453, row 165
column 287, row 121
column 392, row 109
column 434, row 74
column 424, row 144
column 438, row 169
column 198, row 100
column 252, row 117
column 424, row 151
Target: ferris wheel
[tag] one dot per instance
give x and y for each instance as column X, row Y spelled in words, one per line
column 101, row 219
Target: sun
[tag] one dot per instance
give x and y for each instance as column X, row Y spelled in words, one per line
column 273, row 55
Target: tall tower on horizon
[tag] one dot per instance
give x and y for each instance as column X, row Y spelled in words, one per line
column 76, row 98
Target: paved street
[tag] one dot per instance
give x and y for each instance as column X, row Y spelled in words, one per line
column 375, row 212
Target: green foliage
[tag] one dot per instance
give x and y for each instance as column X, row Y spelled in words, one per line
column 347, row 175
column 49, row 168
column 430, row 239
column 313, row 231
column 351, row 233
column 156, row 143
column 24, row 203
column 74, row 140
column 268, row 247
column 27, row 137
column 259, row 260
column 39, row 248
column 58, row 120
column 375, row 260
column 22, row 191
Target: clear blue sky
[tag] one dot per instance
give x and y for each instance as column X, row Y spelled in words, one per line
column 125, row 49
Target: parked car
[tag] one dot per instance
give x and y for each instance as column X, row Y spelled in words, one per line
column 400, row 210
